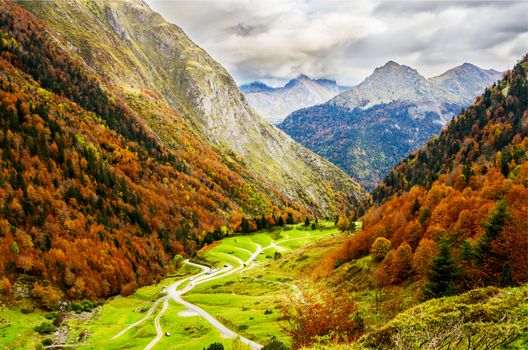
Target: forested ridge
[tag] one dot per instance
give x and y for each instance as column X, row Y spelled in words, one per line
column 454, row 215
column 91, row 200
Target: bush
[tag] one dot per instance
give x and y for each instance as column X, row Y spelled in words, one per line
column 52, row 315
column 47, row 341
column 48, row 296
column 82, row 306
column 45, row 328
column 380, row 248
column 215, row 346
column 321, row 312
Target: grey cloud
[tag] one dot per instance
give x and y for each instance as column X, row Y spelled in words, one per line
column 276, row 40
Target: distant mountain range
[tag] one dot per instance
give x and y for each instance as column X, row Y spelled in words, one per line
column 275, row 104
column 369, row 128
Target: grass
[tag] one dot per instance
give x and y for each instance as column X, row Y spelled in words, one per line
column 247, row 301
column 16, row 329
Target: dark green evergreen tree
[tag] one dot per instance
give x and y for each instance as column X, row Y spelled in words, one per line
column 467, row 172
column 289, row 220
column 415, row 207
column 442, row 275
column 307, row 222
column 492, row 230
column 281, row 221
column 245, row 225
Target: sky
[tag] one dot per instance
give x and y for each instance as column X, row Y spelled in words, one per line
column 276, row 40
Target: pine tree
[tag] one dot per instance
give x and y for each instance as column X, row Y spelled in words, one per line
column 492, row 229
column 307, row 222
column 289, row 220
column 415, row 207
column 245, row 225
column 467, row 172
column 442, row 275
column 281, row 221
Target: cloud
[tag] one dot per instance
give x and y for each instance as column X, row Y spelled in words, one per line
column 275, row 40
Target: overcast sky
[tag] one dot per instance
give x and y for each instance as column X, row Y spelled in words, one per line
column 275, row 40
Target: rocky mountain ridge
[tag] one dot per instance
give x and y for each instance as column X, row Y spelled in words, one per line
column 276, row 103
column 369, row 128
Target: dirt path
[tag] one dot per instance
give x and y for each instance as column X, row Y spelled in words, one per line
column 206, row 275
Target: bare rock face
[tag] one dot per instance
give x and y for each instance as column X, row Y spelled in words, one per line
column 137, row 50
column 394, row 82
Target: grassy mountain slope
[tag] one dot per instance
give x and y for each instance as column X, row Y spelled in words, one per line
column 138, row 51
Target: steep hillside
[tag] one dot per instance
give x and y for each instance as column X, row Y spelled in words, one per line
column 276, row 103
column 466, row 228
column 139, row 52
column 459, row 217
column 92, row 201
column 369, row 128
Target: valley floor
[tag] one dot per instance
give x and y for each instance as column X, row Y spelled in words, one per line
column 236, row 301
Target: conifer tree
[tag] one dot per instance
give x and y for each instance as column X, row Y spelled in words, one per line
column 442, row 274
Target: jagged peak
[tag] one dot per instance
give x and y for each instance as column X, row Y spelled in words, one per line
column 393, row 66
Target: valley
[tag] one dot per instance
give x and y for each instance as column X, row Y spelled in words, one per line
column 231, row 292
column 146, row 203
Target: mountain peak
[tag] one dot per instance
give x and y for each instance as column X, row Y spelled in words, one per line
column 303, row 76
column 393, row 69
column 392, row 63
column 468, row 65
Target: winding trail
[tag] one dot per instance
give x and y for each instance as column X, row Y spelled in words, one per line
column 206, row 275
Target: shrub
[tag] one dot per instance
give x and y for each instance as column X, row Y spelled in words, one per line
column 215, row 346
column 45, row 328
column 321, row 312
column 83, row 306
column 48, row 296
column 380, row 248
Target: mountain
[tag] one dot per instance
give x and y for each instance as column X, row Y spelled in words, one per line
column 369, row 128
column 449, row 224
column 136, row 50
column 466, row 80
column 492, row 129
column 276, row 103
column 103, row 179
column 462, row 196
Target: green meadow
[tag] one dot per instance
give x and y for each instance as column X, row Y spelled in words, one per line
column 247, row 301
